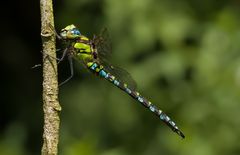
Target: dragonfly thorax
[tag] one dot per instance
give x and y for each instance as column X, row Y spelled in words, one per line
column 84, row 49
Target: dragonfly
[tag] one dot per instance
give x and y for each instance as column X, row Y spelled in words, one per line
column 93, row 54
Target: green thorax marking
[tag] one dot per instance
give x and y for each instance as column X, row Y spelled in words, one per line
column 83, row 49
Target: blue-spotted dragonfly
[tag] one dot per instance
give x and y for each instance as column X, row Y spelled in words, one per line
column 92, row 53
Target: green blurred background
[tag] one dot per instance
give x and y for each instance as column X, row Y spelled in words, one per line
column 184, row 55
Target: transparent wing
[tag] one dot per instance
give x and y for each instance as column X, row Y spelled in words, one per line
column 104, row 48
column 103, row 45
column 122, row 75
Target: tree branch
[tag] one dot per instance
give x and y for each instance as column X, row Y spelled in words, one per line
column 51, row 106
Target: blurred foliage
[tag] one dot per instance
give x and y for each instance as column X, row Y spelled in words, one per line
column 184, row 55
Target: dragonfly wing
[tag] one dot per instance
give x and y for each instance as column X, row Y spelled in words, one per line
column 104, row 48
column 103, row 45
column 122, row 75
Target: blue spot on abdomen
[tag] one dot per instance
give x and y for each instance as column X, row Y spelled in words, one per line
column 116, row 82
column 128, row 91
column 102, row 73
column 93, row 67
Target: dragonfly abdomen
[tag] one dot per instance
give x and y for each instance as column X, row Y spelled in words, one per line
column 100, row 71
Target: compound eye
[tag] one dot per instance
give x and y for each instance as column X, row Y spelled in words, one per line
column 76, row 32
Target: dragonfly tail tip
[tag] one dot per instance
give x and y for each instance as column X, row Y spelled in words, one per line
column 180, row 134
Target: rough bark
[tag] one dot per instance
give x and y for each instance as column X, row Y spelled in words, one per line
column 51, row 106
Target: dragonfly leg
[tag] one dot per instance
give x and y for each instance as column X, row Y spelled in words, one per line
column 47, row 55
column 39, row 65
column 57, row 35
column 71, row 70
column 63, row 55
column 58, row 59
column 36, row 66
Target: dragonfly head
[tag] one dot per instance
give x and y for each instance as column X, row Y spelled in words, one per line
column 70, row 32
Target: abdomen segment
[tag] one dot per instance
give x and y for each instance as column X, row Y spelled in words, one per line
column 99, row 70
